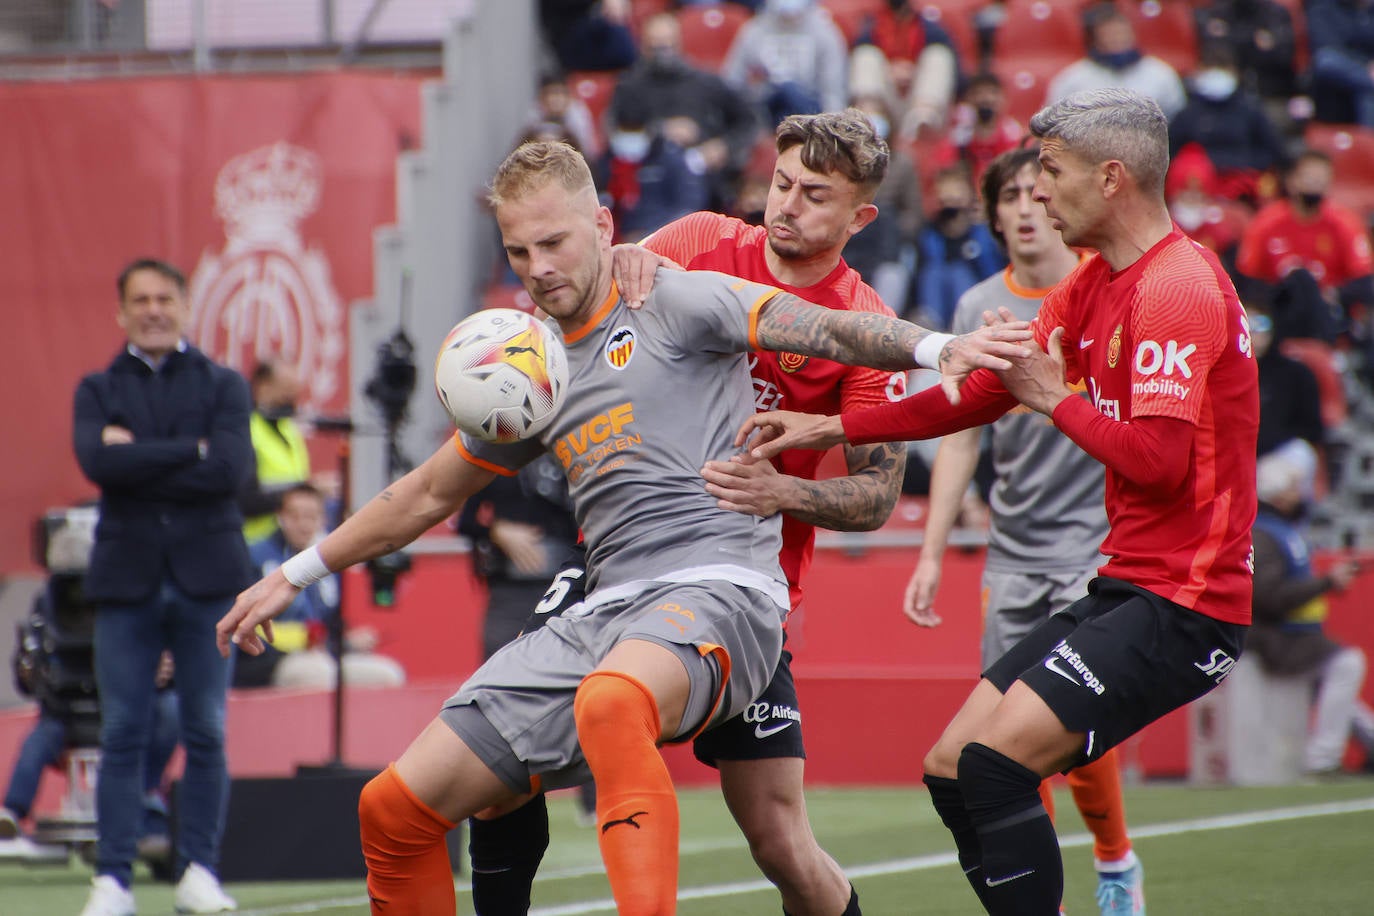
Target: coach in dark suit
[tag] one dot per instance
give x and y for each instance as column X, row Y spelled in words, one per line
column 163, row 432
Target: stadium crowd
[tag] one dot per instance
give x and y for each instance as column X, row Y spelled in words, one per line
column 1269, row 104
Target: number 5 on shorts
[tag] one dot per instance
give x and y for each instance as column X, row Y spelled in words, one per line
column 562, row 584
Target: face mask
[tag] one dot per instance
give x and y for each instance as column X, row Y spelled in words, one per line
column 1311, row 201
column 1118, row 61
column 1189, row 216
column 663, row 60
column 881, row 125
column 632, row 146
column 948, row 214
column 985, row 113
column 1216, row 85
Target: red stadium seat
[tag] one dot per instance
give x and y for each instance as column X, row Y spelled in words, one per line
column 1166, row 29
column 1025, row 80
column 956, row 18
column 1040, row 29
column 853, row 16
column 708, row 31
column 595, row 89
column 1351, row 149
column 640, row 10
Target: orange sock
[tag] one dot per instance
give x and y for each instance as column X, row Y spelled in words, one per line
column 636, row 807
column 1097, row 793
column 1047, row 796
column 408, row 870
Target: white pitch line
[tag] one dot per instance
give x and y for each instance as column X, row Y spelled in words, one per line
column 877, row 869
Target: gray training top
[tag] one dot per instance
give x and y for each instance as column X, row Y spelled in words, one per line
column 653, row 395
column 1048, row 510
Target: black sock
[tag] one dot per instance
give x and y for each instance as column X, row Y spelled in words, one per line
column 948, row 800
column 506, row 852
column 850, row 909
column 1021, row 861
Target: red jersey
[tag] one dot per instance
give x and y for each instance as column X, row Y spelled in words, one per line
column 1332, row 246
column 785, row 381
column 1165, row 337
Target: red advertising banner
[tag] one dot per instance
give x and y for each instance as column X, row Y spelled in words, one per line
column 264, row 190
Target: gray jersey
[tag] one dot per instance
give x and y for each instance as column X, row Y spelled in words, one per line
column 653, row 395
column 1047, row 503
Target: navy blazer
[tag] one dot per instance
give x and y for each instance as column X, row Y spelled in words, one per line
column 165, row 508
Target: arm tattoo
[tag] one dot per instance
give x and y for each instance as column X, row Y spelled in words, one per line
column 863, row 500
column 386, row 496
column 792, row 325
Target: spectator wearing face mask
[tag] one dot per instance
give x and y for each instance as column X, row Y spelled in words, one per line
column 1213, row 221
column 697, row 110
column 1230, row 126
column 1308, row 232
column 1264, row 44
column 646, row 179
column 791, row 58
column 982, row 129
column 954, row 250
column 1115, row 61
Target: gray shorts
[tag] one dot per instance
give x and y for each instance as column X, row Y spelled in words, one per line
column 515, row 712
column 1014, row 603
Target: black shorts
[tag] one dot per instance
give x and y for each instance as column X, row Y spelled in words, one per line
column 770, row 726
column 1117, row 660
column 568, row 588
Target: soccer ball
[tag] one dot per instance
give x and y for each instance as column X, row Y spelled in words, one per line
column 501, row 375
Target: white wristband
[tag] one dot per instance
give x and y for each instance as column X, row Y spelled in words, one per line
column 928, row 350
column 305, row 568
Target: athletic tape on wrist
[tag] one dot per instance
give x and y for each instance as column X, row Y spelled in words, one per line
column 305, row 568
column 928, row 350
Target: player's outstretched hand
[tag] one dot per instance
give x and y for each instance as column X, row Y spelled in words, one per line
column 767, row 434
column 254, row 607
column 633, row 268
column 992, row 346
column 1038, row 379
column 747, row 486
column 919, row 601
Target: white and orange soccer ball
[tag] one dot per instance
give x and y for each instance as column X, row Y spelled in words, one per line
column 501, row 375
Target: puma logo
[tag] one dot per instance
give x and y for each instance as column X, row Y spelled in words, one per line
column 624, row 820
column 511, row 351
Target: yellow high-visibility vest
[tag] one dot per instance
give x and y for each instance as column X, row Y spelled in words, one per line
column 282, row 459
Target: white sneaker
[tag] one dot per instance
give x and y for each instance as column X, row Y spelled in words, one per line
column 26, row 850
column 9, row 824
column 109, row 898
column 198, row 891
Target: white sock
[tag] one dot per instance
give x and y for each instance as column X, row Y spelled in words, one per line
column 1125, row 863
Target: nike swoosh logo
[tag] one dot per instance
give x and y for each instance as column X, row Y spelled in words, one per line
column 1053, row 662
column 1086, row 342
column 991, row 883
column 761, row 732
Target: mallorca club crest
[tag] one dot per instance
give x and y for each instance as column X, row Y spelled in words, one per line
column 267, row 294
